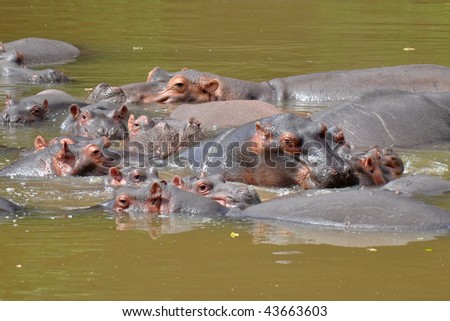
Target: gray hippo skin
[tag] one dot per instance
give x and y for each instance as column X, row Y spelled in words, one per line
column 37, row 107
column 132, row 176
column 13, row 70
column 391, row 118
column 281, row 151
column 161, row 198
column 43, row 51
column 197, row 86
column 412, row 185
column 219, row 114
column 96, row 120
column 229, row 194
column 371, row 210
column 6, row 206
column 61, row 159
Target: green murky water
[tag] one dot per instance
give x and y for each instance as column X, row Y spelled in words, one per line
column 60, row 251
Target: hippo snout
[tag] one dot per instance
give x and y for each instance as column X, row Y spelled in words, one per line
column 5, row 117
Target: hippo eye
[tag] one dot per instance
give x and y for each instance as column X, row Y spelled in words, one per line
column 96, row 153
column 136, row 125
column 202, row 188
column 138, row 177
column 287, row 142
column 122, row 202
column 179, row 85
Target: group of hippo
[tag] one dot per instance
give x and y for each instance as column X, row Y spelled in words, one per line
column 231, row 135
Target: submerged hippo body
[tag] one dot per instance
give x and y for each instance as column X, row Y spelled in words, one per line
column 229, row 194
column 6, row 206
column 43, row 51
column 225, row 113
column 282, row 150
column 391, row 117
column 197, row 86
column 13, row 70
column 37, row 107
column 60, row 159
column 370, row 210
column 160, row 198
column 412, row 185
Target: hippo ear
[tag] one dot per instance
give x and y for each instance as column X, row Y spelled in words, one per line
column 178, row 182
column 115, row 174
column 40, row 143
column 64, row 153
column 45, row 105
column 368, row 163
column 74, row 110
column 130, row 122
column 210, row 86
column 121, row 113
column 155, row 192
column 323, row 130
column 8, row 101
column 194, row 121
column 262, row 130
column 158, row 74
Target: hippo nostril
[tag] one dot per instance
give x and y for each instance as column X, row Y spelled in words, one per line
column 15, row 119
column 101, row 131
column 5, row 117
column 112, row 132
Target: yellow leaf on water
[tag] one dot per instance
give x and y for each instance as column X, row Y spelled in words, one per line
column 409, row 49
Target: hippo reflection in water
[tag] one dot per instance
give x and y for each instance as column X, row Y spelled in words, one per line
column 197, row 87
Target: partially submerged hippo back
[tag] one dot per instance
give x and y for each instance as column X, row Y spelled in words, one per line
column 373, row 210
column 13, row 70
column 391, row 117
column 37, row 107
column 6, row 206
column 43, row 51
column 419, row 185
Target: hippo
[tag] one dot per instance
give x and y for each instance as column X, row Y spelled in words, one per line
column 376, row 166
column 61, row 159
column 351, row 210
column 229, row 194
column 196, row 86
column 132, row 176
column 13, row 70
column 221, row 114
column 280, row 151
column 102, row 119
column 161, row 137
column 37, row 107
column 42, row 51
column 412, row 185
column 6, row 206
column 391, row 117
column 162, row 198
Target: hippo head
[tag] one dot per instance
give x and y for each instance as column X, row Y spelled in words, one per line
column 228, row 194
column 21, row 113
column 96, row 121
column 136, row 125
column 85, row 159
column 104, row 92
column 148, row 199
column 132, row 176
column 305, row 145
column 377, row 166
